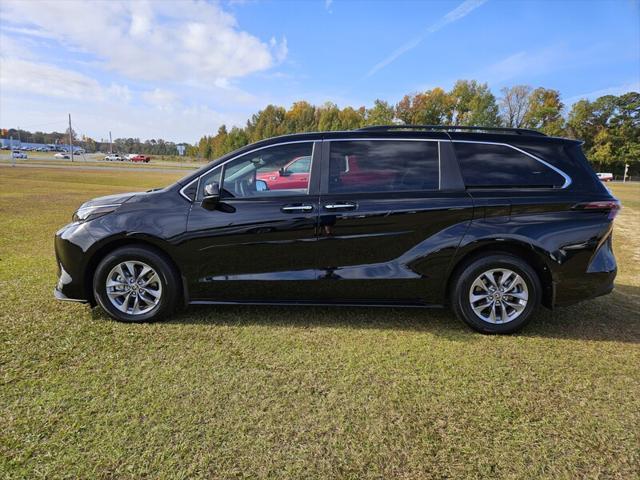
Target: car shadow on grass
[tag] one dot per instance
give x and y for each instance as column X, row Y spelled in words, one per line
column 614, row 317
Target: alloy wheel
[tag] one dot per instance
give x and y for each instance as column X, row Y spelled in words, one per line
column 133, row 287
column 498, row 295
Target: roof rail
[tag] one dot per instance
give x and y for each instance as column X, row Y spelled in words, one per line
column 451, row 128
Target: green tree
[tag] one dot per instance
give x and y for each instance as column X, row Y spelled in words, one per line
column 266, row 123
column 351, row 119
column 382, row 113
column 472, row 103
column 235, row 139
column 328, row 117
column 544, row 112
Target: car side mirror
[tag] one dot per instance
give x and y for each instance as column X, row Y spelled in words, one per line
column 283, row 172
column 211, row 195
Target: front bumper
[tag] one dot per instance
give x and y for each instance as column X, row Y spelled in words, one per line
column 62, row 297
column 71, row 245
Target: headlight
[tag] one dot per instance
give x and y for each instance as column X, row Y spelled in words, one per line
column 85, row 214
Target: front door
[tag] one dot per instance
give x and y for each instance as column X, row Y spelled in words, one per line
column 258, row 243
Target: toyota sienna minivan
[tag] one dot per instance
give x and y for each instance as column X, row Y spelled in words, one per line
column 491, row 222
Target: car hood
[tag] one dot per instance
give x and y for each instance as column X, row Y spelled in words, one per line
column 111, row 199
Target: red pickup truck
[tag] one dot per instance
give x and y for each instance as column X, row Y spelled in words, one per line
column 140, row 158
column 295, row 174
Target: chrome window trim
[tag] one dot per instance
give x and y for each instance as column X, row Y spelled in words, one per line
column 197, row 179
column 567, row 178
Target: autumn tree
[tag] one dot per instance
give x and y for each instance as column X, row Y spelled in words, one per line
column 301, row 117
column 433, row 107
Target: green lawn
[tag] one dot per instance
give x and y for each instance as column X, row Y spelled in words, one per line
column 246, row 392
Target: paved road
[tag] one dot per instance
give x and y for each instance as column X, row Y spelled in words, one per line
column 184, row 171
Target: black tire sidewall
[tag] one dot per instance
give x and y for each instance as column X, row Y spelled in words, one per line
column 468, row 274
column 168, row 278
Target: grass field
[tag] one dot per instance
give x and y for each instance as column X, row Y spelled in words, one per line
column 248, row 392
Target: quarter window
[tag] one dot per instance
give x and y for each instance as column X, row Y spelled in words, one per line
column 500, row 166
column 383, row 166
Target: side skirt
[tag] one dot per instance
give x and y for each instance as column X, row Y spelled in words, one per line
column 319, row 304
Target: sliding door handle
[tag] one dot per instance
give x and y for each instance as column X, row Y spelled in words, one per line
column 297, row 208
column 340, row 206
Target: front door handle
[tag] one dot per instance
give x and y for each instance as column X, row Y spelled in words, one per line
column 340, row 206
column 297, row 208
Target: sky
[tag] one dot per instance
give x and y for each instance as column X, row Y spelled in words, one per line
column 178, row 70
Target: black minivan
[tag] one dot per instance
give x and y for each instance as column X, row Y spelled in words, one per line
column 492, row 222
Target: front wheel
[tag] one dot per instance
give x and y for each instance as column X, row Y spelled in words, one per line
column 136, row 284
column 497, row 293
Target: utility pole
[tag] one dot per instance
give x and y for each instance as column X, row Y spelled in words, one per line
column 110, row 144
column 70, row 138
column 13, row 159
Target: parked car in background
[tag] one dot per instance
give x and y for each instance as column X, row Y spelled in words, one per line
column 605, row 177
column 114, row 157
column 491, row 222
column 140, row 158
column 18, row 154
column 62, row 155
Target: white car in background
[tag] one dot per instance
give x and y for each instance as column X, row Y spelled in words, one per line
column 62, row 155
column 17, row 154
column 113, row 157
column 605, row 177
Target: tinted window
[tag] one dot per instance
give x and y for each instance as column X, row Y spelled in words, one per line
column 485, row 165
column 381, row 166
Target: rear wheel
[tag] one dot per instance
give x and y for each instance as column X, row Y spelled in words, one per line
column 497, row 293
column 136, row 284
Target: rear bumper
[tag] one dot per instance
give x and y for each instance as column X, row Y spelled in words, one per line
column 590, row 285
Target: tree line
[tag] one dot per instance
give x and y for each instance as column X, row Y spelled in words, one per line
column 120, row 145
column 609, row 125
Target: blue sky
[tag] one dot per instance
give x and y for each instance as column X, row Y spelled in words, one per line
column 178, row 70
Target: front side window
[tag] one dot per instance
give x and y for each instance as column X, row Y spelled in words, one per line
column 383, row 166
column 281, row 170
column 500, row 166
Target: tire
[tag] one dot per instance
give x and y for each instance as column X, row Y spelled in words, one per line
column 157, row 296
column 512, row 310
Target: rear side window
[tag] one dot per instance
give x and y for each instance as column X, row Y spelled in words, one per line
column 383, row 166
column 487, row 165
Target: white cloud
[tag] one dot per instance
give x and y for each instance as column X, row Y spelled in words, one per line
column 327, row 5
column 51, row 81
column 614, row 90
column 149, row 41
column 461, row 11
column 160, row 98
column 524, row 63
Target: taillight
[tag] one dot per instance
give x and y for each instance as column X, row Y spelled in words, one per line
column 611, row 206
